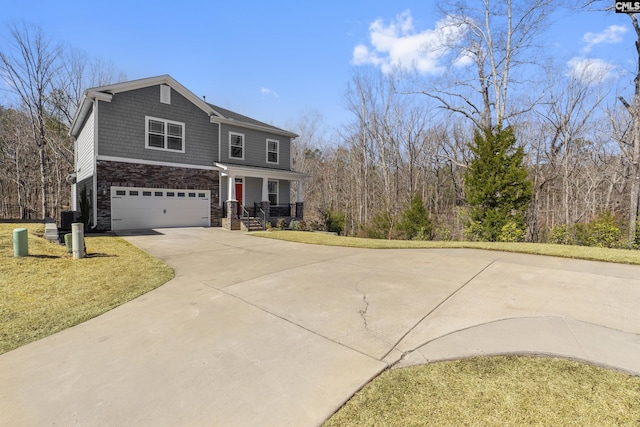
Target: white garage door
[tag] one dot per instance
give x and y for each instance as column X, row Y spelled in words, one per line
column 133, row 207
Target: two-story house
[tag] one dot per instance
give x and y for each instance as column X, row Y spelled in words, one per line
column 149, row 154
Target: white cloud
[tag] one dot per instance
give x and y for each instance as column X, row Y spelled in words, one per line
column 463, row 60
column 268, row 92
column 400, row 45
column 590, row 71
column 612, row 34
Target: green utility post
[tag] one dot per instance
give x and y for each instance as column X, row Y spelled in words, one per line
column 20, row 242
column 67, row 242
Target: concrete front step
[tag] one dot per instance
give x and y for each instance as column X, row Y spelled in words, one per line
column 254, row 225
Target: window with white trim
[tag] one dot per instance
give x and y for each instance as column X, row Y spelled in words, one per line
column 272, row 187
column 236, row 146
column 163, row 134
column 273, row 150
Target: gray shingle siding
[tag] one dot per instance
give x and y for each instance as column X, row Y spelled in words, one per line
column 122, row 127
column 255, row 148
column 253, row 191
column 284, row 192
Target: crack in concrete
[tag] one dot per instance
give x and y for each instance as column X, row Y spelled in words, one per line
column 451, row 295
column 363, row 312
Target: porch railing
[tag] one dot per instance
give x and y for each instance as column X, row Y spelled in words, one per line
column 261, row 216
column 246, row 218
column 274, row 211
column 277, row 211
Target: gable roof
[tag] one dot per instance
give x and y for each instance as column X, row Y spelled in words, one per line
column 216, row 114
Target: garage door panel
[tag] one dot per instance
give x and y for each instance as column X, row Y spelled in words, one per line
column 133, row 208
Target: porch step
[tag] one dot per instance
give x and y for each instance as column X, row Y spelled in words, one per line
column 254, row 225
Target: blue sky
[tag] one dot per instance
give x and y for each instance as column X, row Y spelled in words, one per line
column 276, row 60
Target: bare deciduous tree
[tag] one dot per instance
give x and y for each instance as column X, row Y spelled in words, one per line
column 497, row 39
column 30, row 63
column 634, row 142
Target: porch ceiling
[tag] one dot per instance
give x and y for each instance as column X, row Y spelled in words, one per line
column 252, row 171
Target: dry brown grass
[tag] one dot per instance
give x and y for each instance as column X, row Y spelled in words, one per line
column 48, row 291
column 496, row 391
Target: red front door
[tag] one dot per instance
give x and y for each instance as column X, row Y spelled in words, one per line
column 239, row 196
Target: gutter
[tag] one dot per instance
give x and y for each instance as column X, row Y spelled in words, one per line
column 95, row 163
column 85, row 106
column 221, row 120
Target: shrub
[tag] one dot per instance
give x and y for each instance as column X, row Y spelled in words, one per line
column 472, row 231
column 281, row 224
column 424, row 233
column 314, row 225
column 415, row 223
column 334, row 220
column 512, row 232
column 443, row 233
column 299, row 225
column 380, row 226
column 561, row 234
column 603, row 232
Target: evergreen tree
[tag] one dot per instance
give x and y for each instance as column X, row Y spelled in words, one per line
column 415, row 223
column 497, row 187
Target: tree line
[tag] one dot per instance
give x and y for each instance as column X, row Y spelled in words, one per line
column 45, row 82
column 501, row 149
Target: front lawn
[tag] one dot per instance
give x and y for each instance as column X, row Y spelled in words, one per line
column 496, row 391
column 624, row 256
column 48, row 291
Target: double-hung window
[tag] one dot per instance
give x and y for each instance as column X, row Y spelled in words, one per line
column 272, row 186
column 273, row 150
column 236, row 146
column 164, row 135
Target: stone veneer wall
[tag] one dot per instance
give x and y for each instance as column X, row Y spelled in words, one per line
column 153, row 176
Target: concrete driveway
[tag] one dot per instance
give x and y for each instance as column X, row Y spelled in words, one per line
column 262, row 332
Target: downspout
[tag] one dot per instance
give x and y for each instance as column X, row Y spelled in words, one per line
column 220, row 202
column 95, row 164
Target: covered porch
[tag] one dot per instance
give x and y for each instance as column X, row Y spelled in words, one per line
column 251, row 197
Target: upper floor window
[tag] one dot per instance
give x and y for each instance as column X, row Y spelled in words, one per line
column 272, row 186
column 273, row 150
column 236, row 146
column 164, row 135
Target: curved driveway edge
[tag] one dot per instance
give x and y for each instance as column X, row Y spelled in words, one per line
column 263, row 332
column 552, row 336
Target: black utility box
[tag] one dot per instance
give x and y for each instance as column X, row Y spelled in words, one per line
column 67, row 218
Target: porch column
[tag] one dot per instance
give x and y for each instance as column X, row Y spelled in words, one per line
column 300, row 194
column 300, row 200
column 231, row 186
column 265, row 189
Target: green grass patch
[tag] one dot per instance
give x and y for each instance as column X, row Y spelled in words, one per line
column 496, row 391
column 48, row 291
column 624, row 256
